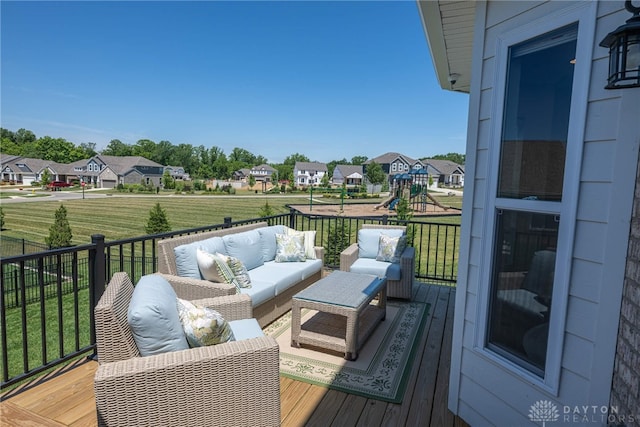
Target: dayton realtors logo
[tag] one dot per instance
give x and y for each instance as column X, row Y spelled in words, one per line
column 545, row 411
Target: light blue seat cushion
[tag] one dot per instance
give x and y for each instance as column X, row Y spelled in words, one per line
column 153, row 317
column 245, row 329
column 268, row 240
column 283, row 275
column 186, row 261
column 260, row 291
column 368, row 239
column 378, row 268
column 246, row 247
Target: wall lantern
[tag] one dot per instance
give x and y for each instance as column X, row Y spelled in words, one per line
column 624, row 52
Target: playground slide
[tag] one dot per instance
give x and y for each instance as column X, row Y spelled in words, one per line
column 385, row 203
column 393, row 204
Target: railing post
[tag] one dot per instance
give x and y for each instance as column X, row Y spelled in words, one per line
column 227, row 222
column 97, row 278
column 385, row 219
column 292, row 218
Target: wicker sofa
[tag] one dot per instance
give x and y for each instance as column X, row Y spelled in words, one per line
column 274, row 284
column 232, row 384
column 399, row 276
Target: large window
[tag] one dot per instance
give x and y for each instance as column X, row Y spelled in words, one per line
column 533, row 153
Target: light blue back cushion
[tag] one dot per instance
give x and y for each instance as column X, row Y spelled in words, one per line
column 153, row 317
column 186, row 261
column 368, row 239
column 268, row 240
column 246, row 247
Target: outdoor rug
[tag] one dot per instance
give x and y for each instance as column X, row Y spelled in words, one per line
column 384, row 362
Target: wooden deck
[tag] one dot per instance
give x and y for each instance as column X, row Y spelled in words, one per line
column 66, row 397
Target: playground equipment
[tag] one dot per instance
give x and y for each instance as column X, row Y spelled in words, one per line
column 413, row 186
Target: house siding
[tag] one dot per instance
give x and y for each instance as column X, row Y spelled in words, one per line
column 482, row 391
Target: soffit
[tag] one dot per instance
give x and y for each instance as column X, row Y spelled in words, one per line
column 448, row 26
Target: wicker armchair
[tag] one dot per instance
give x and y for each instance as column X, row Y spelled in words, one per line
column 231, row 384
column 395, row 288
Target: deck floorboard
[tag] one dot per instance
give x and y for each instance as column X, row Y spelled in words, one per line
column 65, row 397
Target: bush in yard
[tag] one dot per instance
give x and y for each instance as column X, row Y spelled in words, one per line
column 266, row 210
column 1, row 219
column 157, row 222
column 60, row 232
column 405, row 213
column 337, row 241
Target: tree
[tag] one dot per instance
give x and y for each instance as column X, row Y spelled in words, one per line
column 358, row 160
column 375, row 175
column 252, row 180
column 266, row 210
column 337, row 241
column 167, row 180
column 297, row 157
column 157, row 222
column 452, row 157
column 60, row 232
column 325, row 180
column 45, row 177
column 117, row 148
column 1, row 219
column 405, row 213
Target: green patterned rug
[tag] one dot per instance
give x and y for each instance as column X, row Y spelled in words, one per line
column 384, row 362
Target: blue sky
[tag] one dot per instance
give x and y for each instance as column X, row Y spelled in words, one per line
column 329, row 80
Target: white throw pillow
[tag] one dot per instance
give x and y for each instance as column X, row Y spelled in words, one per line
column 289, row 248
column 203, row 325
column 309, row 241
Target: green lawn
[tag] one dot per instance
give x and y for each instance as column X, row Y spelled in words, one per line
column 125, row 217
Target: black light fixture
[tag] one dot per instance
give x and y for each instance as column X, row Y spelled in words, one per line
column 624, row 52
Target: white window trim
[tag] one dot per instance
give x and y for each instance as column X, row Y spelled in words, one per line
column 585, row 14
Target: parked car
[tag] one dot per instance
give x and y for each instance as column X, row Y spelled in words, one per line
column 56, row 185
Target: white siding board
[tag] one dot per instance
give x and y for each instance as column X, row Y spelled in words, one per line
column 474, row 276
column 484, row 130
column 586, row 279
column 597, row 161
column 482, row 163
column 485, row 104
column 469, row 308
column 598, row 113
column 593, row 204
column 578, row 355
column 502, row 15
column 581, row 318
column 466, row 412
column 488, row 65
column 476, row 223
column 589, row 240
column 479, row 193
column 475, row 252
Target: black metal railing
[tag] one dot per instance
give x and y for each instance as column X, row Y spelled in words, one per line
column 47, row 298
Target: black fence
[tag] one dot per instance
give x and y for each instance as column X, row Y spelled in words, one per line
column 47, row 298
column 11, row 246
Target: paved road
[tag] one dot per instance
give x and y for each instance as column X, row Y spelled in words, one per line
column 24, row 196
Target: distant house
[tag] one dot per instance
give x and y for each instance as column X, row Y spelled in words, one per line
column 262, row 173
column 241, row 174
column 350, row 175
column 109, row 171
column 99, row 171
column 177, row 173
column 446, row 173
column 23, row 170
column 308, row 173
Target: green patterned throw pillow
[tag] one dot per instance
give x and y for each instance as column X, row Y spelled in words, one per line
column 203, row 326
column 290, row 248
column 239, row 271
column 390, row 248
column 309, row 238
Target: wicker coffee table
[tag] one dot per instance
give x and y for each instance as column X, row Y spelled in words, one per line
column 339, row 294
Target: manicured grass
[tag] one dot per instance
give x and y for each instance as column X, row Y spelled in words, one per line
column 125, row 217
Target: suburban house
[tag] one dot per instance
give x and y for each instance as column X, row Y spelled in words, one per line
column 100, row 171
column 22, row 170
column 547, row 318
column 349, row 175
column 177, row 173
column 308, row 173
column 262, row 173
column 443, row 172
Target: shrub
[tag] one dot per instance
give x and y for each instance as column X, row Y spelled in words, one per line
column 157, row 222
column 337, row 241
column 60, row 232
